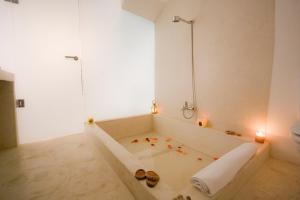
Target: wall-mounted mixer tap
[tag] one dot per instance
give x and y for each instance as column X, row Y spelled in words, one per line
column 186, row 107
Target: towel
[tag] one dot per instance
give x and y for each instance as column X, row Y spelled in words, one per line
column 219, row 173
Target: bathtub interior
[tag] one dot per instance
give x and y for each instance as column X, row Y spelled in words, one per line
column 175, row 150
column 175, row 166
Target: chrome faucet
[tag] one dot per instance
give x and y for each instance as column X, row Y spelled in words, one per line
column 186, row 106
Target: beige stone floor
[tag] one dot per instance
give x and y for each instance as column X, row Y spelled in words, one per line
column 70, row 168
column 276, row 180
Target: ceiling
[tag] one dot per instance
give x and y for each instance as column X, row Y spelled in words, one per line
column 149, row 9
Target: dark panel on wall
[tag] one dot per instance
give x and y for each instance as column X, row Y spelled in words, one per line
column 8, row 133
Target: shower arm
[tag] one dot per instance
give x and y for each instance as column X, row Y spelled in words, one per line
column 186, row 21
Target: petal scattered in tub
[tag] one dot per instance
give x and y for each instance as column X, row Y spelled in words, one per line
column 153, row 140
column 199, row 158
column 179, row 151
column 216, row 158
column 135, row 141
column 170, row 146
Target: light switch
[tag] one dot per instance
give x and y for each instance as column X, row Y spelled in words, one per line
column 20, row 103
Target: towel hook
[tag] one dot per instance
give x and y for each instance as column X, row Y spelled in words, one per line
column 72, row 57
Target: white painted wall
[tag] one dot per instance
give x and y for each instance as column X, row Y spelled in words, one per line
column 118, row 56
column 233, row 61
column 44, row 32
column 6, row 35
column 284, row 99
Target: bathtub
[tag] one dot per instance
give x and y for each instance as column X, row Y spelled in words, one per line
column 174, row 149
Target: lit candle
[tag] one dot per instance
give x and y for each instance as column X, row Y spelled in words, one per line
column 154, row 107
column 203, row 122
column 260, row 136
column 90, row 120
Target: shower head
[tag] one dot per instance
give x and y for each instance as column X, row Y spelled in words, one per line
column 179, row 19
column 176, row 19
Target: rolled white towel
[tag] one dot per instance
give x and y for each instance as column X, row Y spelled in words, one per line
column 219, row 173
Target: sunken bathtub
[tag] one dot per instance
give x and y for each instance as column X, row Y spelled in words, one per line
column 176, row 150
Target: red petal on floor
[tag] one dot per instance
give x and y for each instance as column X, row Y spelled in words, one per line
column 216, row 158
column 135, row 141
column 153, row 145
column 199, row 158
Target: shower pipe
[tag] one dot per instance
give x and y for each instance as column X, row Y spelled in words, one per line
column 186, row 107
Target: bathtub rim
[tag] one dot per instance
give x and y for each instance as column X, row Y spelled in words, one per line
column 162, row 190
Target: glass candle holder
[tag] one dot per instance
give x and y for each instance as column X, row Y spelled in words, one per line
column 260, row 136
column 154, row 109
